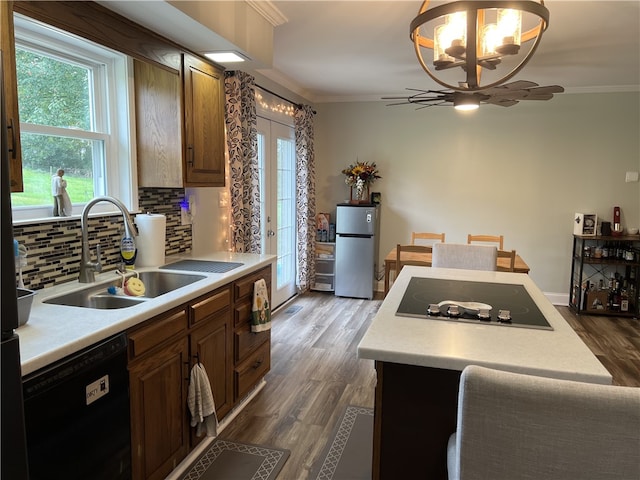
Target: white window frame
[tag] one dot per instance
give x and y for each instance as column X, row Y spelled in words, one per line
column 114, row 122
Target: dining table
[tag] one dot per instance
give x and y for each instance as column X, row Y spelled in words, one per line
column 390, row 264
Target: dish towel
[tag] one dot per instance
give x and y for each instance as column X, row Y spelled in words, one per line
column 200, row 401
column 261, row 312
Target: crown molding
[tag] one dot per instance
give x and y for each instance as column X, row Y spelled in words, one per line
column 269, row 11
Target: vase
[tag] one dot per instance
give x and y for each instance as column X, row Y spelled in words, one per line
column 360, row 196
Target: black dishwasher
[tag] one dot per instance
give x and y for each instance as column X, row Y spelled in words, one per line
column 77, row 415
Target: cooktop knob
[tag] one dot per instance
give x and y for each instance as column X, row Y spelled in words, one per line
column 453, row 311
column 504, row 316
column 433, row 309
column 484, row 314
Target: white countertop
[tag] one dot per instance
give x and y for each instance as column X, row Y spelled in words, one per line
column 557, row 353
column 55, row 331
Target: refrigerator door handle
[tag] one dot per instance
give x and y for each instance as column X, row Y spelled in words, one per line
column 353, row 235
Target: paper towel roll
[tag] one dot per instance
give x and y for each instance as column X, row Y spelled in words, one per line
column 151, row 239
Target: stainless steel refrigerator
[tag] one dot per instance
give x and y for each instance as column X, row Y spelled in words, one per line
column 357, row 236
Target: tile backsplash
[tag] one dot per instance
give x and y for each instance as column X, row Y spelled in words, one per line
column 54, row 248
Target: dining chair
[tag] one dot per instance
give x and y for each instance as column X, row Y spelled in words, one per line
column 426, row 236
column 514, row 426
column 511, row 255
column 499, row 239
column 470, row 257
column 419, row 249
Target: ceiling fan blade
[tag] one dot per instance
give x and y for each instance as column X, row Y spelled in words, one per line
column 508, row 94
column 548, row 89
column 503, row 102
column 518, row 85
column 539, row 96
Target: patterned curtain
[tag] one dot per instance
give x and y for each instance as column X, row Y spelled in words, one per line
column 306, row 196
column 242, row 142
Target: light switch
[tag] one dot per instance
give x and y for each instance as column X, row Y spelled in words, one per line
column 631, row 177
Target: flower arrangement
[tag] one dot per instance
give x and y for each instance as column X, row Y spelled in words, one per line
column 367, row 172
column 361, row 174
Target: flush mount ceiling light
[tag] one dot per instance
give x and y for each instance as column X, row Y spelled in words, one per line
column 225, row 57
column 477, row 36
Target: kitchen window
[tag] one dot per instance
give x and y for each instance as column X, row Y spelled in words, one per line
column 74, row 103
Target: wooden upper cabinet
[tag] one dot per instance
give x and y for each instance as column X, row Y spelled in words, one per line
column 158, row 126
column 165, row 157
column 11, row 94
column 204, row 123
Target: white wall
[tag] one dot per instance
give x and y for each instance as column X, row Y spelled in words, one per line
column 521, row 171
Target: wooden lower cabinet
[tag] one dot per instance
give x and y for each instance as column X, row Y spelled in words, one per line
column 162, row 352
column 158, row 393
column 211, row 344
column 252, row 351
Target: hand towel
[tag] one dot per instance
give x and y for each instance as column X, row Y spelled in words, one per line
column 200, row 401
column 261, row 312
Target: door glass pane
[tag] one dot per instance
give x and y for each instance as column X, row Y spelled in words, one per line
column 263, row 189
column 286, row 211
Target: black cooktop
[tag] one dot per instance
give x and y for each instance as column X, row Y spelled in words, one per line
column 472, row 302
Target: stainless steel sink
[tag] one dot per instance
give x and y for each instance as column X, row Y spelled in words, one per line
column 159, row 283
column 156, row 284
column 94, row 298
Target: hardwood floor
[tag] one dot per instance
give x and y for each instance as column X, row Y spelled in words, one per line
column 315, row 372
column 615, row 341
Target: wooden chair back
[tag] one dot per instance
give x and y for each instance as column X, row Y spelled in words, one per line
column 511, row 255
column 499, row 239
column 419, row 249
column 426, row 236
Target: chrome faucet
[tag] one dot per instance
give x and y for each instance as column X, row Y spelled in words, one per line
column 87, row 267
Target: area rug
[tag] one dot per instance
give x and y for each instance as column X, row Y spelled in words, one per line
column 348, row 453
column 226, row 460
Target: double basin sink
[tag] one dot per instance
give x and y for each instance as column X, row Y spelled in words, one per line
column 156, row 284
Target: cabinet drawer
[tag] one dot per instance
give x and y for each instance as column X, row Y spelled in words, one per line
column 210, row 305
column 249, row 372
column 244, row 287
column 245, row 341
column 242, row 313
column 155, row 332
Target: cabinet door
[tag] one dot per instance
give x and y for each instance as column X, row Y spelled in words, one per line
column 158, row 126
column 204, row 123
column 7, row 45
column 211, row 343
column 158, row 389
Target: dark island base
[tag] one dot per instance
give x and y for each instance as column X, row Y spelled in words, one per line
column 415, row 413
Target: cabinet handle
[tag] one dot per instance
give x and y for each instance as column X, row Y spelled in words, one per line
column 187, row 378
column 13, row 149
column 257, row 364
column 190, row 155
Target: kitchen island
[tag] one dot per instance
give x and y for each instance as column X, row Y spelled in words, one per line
column 419, row 361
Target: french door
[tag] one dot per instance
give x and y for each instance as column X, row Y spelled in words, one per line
column 277, row 160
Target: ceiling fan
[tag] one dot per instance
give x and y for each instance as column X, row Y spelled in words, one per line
column 504, row 95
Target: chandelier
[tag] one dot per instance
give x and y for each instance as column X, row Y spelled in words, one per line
column 483, row 38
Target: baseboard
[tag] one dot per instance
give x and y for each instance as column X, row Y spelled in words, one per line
column 560, row 299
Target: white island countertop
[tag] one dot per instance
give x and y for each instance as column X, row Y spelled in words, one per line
column 557, row 353
column 55, row 331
